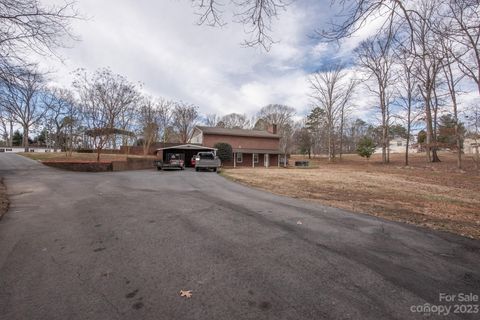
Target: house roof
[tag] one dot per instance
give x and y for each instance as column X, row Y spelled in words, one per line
column 237, row 132
column 187, row 147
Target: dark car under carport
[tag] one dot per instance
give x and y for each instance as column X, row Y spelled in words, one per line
column 186, row 152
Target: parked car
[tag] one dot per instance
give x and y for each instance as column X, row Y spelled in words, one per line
column 207, row 160
column 173, row 161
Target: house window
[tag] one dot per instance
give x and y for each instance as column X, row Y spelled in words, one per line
column 255, row 158
column 399, row 143
column 239, row 157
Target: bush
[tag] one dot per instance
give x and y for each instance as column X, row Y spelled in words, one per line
column 224, row 151
column 85, row 150
column 366, row 147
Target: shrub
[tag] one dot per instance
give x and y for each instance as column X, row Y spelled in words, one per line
column 81, row 150
column 224, row 151
column 366, row 147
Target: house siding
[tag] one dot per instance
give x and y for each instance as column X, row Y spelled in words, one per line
column 247, row 161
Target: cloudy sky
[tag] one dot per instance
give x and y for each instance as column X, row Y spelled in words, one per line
column 159, row 44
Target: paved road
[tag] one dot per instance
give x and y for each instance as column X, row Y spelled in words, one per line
column 122, row 245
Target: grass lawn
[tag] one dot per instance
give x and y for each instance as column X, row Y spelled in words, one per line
column 61, row 156
column 435, row 195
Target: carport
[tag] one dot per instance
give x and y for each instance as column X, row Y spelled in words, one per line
column 186, row 152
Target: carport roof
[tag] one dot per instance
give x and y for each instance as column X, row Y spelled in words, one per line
column 188, row 147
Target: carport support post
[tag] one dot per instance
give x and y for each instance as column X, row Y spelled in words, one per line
column 253, row 160
column 234, row 159
column 278, row 160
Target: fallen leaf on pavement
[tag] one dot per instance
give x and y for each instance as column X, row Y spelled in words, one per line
column 186, row 293
column 299, row 222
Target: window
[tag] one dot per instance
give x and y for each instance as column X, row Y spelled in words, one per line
column 399, row 143
column 239, row 157
column 255, row 158
column 206, row 155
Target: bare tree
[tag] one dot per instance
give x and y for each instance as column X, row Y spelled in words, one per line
column 185, row 117
column 473, row 118
column 464, row 33
column 61, row 113
column 27, row 25
column 165, row 118
column 428, row 65
column 345, row 109
column 211, row 120
column 6, row 125
column 453, row 79
column 104, row 97
column 375, row 56
column 414, row 25
column 407, row 95
column 21, row 97
column 282, row 117
column 277, row 114
column 331, row 91
column 234, row 120
column 149, row 122
column 255, row 15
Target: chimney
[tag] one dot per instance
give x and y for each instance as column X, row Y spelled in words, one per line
column 272, row 128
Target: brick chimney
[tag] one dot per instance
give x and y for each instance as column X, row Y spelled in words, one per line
column 272, row 128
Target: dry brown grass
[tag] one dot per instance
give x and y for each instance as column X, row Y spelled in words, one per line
column 76, row 157
column 436, row 195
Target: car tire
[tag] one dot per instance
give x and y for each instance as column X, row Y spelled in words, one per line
column 159, row 168
column 214, row 169
column 197, row 169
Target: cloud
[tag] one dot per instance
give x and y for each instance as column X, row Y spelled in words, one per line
column 159, row 44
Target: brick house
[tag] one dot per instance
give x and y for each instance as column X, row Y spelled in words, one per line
column 251, row 148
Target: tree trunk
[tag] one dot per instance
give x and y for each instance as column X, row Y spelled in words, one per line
column 435, row 157
column 408, row 130
column 10, row 142
column 25, row 138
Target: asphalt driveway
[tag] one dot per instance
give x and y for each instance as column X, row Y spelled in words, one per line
column 122, row 245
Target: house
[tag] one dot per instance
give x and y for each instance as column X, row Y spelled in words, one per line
column 251, row 148
column 396, row 145
column 471, row 145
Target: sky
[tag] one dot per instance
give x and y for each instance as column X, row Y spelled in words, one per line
column 160, row 45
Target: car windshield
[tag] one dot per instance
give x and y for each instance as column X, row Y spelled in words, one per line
column 207, row 156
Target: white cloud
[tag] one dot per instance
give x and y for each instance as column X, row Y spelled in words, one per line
column 159, row 44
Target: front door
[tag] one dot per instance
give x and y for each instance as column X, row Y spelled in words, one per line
column 265, row 160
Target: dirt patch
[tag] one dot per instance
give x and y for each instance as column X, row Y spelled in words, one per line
column 436, row 196
column 3, row 199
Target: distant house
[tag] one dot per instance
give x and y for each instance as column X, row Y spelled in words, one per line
column 471, row 146
column 397, row 145
column 251, row 148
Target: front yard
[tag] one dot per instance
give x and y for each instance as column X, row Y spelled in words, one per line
column 435, row 195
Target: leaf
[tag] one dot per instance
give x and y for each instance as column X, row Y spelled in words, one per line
column 186, row 293
column 299, row 222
